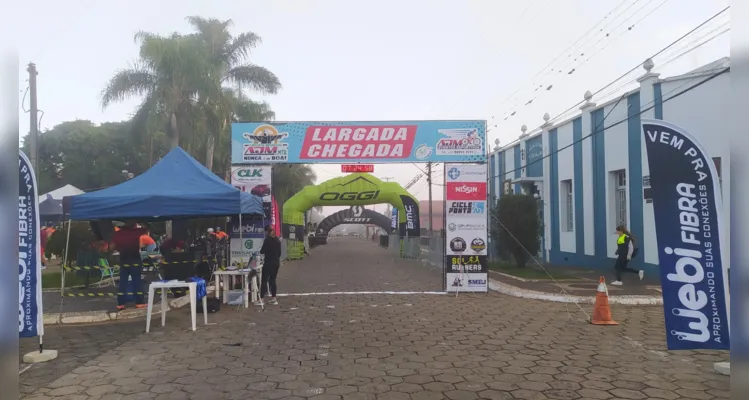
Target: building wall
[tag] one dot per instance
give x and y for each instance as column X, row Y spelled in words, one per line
column 590, row 161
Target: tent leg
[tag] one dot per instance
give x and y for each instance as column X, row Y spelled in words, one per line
column 65, row 260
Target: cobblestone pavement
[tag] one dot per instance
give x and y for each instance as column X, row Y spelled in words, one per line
column 389, row 347
column 352, row 264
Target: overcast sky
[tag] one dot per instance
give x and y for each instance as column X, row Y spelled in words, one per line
column 385, row 60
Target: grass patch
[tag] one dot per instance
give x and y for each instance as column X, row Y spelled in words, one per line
column 529, row 272
column 52, row 279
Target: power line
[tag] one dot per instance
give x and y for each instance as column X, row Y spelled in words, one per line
column 582, row 53
column 639, row 64
column 562, row 53
column 598, row 131
column 590, row 57
column 682, row 53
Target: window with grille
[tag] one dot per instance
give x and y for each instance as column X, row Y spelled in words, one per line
column 620, row 197
column 568, row 223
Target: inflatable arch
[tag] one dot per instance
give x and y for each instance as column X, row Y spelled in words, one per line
column 353, row 215
column 350, row 190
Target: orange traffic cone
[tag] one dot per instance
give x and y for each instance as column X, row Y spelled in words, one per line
column 602, row 310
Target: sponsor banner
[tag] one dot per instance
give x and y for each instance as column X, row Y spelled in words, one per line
column 355, row 142
column 243, row 249
column 412, row 226
column 465, row 173
column 472, row 191
column 250, row 227
column 467, row 264
column 293, row 232
column 471, row 226
column 275, row 217
column 256, row 180
column 467, row 282
column 687, row 204
column 394, row 218
column 466, row 238
column 465, row 210
column 30, row 318
column 467, row 243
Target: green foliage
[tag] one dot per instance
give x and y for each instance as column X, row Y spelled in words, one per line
column 81, row 238
column 518, row 214
column 191, row 87
column 90, row 156
column 288, row 179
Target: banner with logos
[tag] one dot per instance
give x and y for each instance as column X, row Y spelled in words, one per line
column 250, row 227
column 253, row 233
column 466, row 236
column 256, row 180
column 242, row 249
column 687, row 204
column 30, row 318
column 276, row 217
column 355, row 142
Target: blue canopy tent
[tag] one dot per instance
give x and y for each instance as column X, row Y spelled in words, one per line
column 176, row 187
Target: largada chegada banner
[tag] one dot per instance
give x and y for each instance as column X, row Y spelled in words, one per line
column 353, row 142
column 351, row 190
column 687, row 204
column 30, row 318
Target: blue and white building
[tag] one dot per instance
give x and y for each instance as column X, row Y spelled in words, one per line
column 590, row 183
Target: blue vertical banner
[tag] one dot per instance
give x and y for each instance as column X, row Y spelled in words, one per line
column 30, row 318
column 687, row 204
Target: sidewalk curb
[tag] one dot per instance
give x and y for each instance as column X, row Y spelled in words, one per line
column 89, row 317
column 510, row 290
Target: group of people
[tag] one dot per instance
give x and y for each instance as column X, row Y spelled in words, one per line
column 131, row 238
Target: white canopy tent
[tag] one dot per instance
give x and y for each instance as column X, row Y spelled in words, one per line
column 58, row 194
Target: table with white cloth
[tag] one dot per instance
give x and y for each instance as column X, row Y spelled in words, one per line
column 223, row 279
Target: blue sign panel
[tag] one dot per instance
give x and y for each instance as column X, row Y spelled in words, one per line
column 30, row 319
column 687, row 206
column 354, row 142
column 534, row 153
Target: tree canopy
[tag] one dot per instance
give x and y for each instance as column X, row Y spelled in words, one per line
column 191, row 88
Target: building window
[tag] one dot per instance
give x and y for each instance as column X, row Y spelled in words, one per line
column 719, row 170
column 567, row 206
column 508, row 186
column 620, row 197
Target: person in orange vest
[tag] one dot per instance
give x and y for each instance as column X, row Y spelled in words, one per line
column 220, row 234
column 147, row 243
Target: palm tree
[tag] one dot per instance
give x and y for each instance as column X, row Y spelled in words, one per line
column 228, row 58
column 243, row 109
column 168, row 77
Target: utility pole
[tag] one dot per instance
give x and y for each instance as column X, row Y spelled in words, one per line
column 429, row 182
column 33, row 116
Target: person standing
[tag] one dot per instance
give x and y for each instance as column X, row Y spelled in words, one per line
column 127, row 242
column 625, row 248
column 271, row 249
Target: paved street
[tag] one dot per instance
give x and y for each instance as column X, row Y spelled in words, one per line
column 376, row 346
